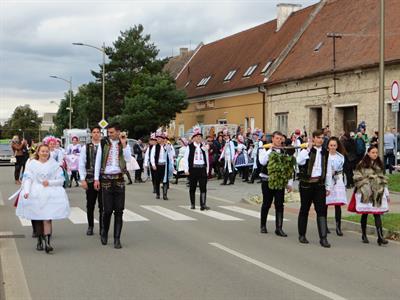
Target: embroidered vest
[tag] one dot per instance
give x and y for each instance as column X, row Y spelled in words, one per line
column 192, row 150
column 105, row 147
column 305, row 170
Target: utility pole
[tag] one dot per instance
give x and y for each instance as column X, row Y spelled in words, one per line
column 381, row 77
column 334, row 36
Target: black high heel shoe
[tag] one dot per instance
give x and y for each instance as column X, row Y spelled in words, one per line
column 39, row 245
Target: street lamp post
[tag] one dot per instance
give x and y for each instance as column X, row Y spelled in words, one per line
column 70, row 97
column 103, row 50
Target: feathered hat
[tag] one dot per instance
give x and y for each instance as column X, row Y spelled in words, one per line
column 153, row 136
column 184, row 141
column 196, row 131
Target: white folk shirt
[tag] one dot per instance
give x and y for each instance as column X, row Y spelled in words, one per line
column 112, row 164
column 198, row 155
column 161, row 158
column 305, row 154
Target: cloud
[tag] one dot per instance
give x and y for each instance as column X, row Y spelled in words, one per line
column 36, row 37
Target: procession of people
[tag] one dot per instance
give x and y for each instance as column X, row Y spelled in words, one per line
column 318, row 163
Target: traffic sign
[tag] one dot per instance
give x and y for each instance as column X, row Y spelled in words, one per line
column 103, row 123
column 395, row 90
column 395, row 107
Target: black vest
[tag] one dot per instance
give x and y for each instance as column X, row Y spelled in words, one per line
column 192, row 149
column 305, row 170
column 91, row 151
column 157, row 154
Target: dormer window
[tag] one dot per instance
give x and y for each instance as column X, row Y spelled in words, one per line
column 204, row 81
column 230, row 75
column 250, row 71
column 266, row 67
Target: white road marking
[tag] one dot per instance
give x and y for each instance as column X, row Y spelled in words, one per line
column 14, row 280
column 248, row 212
column 213, row 214
column 25, row 222
column 78, row 216
column 130, row 216
column 208, row 196
column 170, row 214
column 1, row 199
column 280, row 273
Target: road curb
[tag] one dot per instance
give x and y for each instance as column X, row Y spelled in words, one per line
column 353, row 226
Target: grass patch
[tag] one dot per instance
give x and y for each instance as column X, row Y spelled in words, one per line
column 394, row 182
column 390, row 221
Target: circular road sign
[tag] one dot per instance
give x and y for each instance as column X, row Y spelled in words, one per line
column 395, row 90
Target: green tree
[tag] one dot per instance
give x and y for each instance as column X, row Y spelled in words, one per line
column 152, row 101
column 131, row 54
column 24, row 122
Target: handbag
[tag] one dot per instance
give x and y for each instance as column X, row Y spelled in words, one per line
column 13, row 159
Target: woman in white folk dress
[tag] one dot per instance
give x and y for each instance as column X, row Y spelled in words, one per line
column 43, row 196
column 336, row 190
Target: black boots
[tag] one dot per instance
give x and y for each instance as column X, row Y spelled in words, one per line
column 263, row 229
column 89, row 231
column 192, row 196
column 279, row 223
column 381, row 239
column 338, row 218
column 364, row 229
column 47, row 247
column 203, row 205
column 321, row 223
column 117, row 230
column 165, row 190
column 302, row 227
column 39, row 245
column 106, row 226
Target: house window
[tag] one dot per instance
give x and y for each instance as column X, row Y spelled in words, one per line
column 203, row 81
column 282, row 122
column 230, row 75
column 250, row 71
column 265, row 69
column 252, row 123
column 181, row 129
column 246, row 123
column 222, row 121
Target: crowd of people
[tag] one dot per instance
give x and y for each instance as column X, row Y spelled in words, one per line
column 324, row 165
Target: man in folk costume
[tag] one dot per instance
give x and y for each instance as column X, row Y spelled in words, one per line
column 270, row 194
column 228, row 154
column 111, row 159
column 196, row 167
column 87, row 162
column 146, row 162
column 161, row 163
column 257, row 144
column 312, row 173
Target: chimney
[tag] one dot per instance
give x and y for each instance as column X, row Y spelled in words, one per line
column 183, row 51
column 284, row 12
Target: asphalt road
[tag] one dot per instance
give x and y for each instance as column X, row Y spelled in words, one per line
column 189, row 255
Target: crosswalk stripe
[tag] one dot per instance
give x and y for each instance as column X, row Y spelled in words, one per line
column 78, row 216
column 214, row 214
column 1, row 199
column 248, row 212
column 130, row 216
column 25, row 222
column 170, row 214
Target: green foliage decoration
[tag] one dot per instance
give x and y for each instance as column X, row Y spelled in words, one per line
column 280, row 170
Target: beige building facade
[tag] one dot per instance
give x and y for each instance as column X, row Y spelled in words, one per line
column 312, row 103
